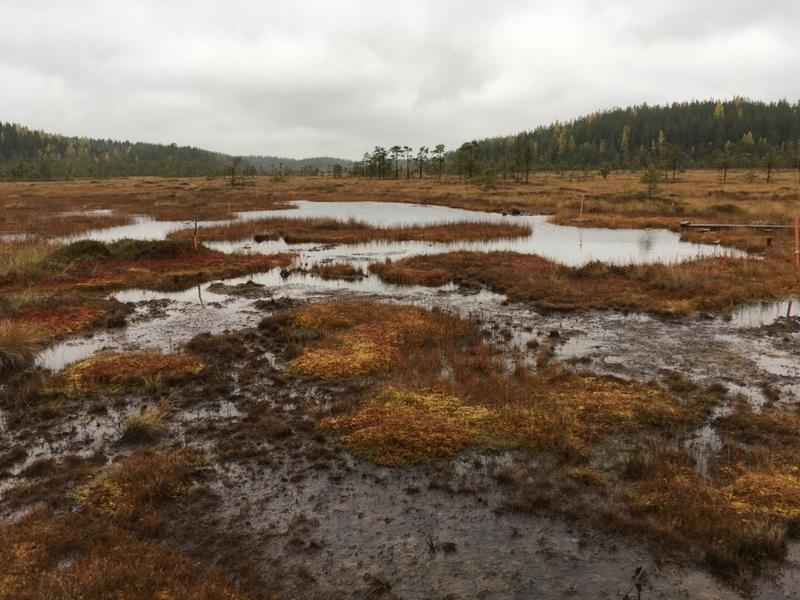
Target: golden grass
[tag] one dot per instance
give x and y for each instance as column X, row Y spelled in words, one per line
column 23, row 259
column 19, row 342
column 415, row 411
column 397, row 427
column 136, row 370
column 69, row 556
column 146, row 425
column 363, row 338
column 675, row 505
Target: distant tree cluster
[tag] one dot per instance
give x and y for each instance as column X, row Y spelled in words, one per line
column 709, row 134
column 401, row 161
column 699, row 134
column 33, row 154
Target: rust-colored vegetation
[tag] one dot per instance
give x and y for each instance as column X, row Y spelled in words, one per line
column 337, row 270
column 713, row 284
column 433, row 376
column 332, row 231
column 137, row 370
column 91, row 265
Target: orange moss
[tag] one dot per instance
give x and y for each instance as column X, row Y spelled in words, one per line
column 125, row 371
column 60, row 320
column 182, row 269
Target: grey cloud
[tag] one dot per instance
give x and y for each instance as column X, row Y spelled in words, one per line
column 309, row 77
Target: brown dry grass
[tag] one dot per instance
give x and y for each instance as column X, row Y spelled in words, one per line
column 715, row 284
column 337, row 271
column 618, row 201
column 163, row 265
column 18, row 344
column 135, row 490
column 69, row 556
column 331, row 231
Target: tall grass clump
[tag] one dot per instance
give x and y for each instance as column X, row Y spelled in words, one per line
column 18, row 345
column 145, row 426
column 24, row 259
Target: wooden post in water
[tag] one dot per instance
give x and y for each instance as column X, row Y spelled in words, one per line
column 580, row 215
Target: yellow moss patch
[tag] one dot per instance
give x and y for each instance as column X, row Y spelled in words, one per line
column 120, row 371
column 770, row 493
column 349, row 355
column 137, row 487
column 366, row 337
column 591, row 406
column 397, row 427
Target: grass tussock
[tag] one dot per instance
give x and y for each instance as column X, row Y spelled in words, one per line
column 706, row 284
column 19, row 342
column 138, row 370
column 344, row 271
column 435, row 378
column 332, row 231
column 23, row 259
column 145, row 426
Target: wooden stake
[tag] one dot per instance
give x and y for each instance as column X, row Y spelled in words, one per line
column 580, row 216
column 797, row 241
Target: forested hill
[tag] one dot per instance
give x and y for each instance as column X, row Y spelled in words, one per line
column 31, row 154
column 739, row 131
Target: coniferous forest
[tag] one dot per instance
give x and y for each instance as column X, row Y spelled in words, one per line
column 36, row 155
column 738, row 133
column 698, row 134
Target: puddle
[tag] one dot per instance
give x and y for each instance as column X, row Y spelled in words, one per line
column 765, row 313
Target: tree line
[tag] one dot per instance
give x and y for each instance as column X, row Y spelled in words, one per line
column 28, row 154
column 738, row 133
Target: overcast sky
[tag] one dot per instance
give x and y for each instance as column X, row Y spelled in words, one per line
column 303, row 78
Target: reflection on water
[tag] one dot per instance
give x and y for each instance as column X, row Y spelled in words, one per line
column 198, row 309
column 567, row 245
column 764, row 313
